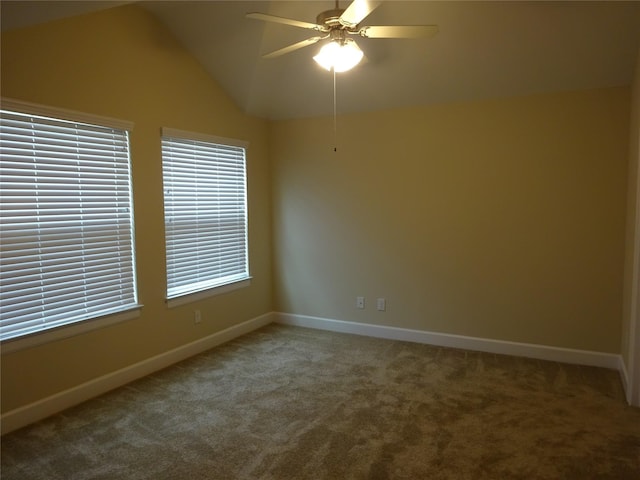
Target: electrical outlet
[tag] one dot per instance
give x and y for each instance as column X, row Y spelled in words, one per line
column 360, row 302
column 197, row 317
column 382, row 304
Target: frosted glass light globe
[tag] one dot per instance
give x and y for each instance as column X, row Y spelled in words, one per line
column 339, row 56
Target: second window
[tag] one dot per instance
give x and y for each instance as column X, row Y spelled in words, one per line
column 205, row 211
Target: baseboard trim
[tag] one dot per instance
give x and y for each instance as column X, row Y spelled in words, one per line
column 624, row 377
column 542, row 352
column 25, row 415
column 48, row 406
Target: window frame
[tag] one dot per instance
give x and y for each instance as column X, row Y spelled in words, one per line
column 185, row 297
column 61, row 331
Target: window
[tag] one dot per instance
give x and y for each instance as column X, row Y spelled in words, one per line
column 66, row 239
column 205, row 210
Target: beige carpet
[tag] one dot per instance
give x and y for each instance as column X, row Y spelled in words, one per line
column 293, row 403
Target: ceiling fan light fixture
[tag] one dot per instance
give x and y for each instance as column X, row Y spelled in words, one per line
column 339, row 55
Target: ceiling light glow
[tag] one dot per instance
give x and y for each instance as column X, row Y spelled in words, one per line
column 339, row 55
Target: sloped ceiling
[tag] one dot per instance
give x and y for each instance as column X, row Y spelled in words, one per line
column 483, row 50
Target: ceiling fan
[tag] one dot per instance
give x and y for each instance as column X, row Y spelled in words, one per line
column 337, row 25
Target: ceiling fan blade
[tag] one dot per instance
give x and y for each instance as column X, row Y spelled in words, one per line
column 357, row 11
column 286, row 21
column 295, row 46
column 398, row 31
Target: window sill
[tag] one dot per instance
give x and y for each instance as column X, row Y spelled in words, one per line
column 66, row 331
column 210, row 292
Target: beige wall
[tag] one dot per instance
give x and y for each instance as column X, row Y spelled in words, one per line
column 122, row 63
column 630, row 325
column 501, row 219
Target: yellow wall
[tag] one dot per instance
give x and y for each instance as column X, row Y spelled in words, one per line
column 499, row 219
column 632, row 213
column 124, row 64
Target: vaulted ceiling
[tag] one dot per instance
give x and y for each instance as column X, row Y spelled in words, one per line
column 483, row 50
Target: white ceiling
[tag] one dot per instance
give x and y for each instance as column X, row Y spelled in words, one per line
column 483, row 50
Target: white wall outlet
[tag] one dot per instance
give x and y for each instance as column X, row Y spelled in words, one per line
column 197, row 317
column 382, row 304
column 360, row 302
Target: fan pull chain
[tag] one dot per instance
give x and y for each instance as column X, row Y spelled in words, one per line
column 335, row 119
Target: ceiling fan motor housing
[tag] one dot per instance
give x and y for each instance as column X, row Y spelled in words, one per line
column 330, row 18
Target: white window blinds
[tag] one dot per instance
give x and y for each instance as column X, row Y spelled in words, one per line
column 205, row 208
column 66, row 236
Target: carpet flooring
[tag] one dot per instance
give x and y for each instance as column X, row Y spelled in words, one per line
column 295, row 403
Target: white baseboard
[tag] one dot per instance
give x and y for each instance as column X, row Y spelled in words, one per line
column 33, row 412
column 48, row 406
column 542, row 352
column 624, row 376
